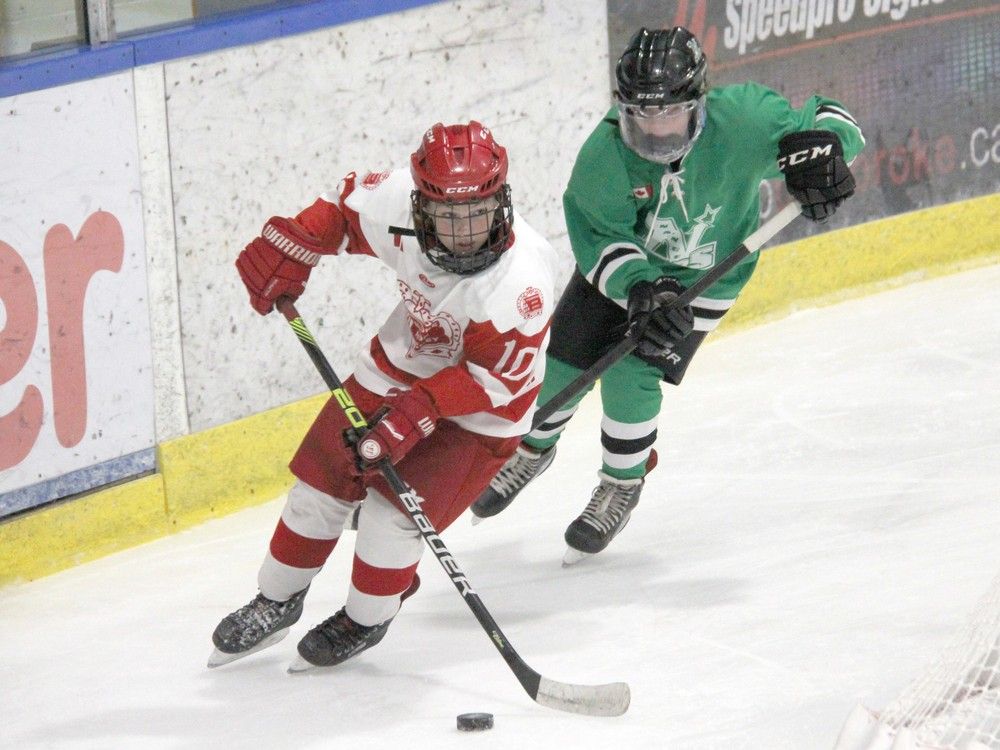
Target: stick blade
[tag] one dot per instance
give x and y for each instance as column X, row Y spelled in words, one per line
column 591, row 700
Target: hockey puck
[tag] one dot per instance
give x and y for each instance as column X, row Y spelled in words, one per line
column 475, row 722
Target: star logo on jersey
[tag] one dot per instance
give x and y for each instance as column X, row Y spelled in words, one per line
column 708, row 216
column 669, row 242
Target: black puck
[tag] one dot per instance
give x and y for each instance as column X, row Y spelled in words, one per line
column 475, row 722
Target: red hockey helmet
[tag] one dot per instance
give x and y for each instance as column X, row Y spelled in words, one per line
column 459, row 162
column 460, row 175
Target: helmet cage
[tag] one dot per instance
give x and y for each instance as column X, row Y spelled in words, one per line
column 428, row 215
column 662, row 82
column 662, row 133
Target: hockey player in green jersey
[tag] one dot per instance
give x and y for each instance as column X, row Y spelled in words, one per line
column 664, row 188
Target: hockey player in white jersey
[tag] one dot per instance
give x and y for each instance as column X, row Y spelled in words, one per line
column 449, row 382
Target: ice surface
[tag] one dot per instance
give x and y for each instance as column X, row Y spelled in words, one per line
column 825, row 512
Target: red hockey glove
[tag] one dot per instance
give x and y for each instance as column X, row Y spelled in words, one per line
column 278, row 263
column 407, row 417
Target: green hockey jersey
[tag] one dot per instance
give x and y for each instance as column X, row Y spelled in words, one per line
column 631, row 219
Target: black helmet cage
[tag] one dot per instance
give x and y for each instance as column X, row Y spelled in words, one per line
column 500, row 233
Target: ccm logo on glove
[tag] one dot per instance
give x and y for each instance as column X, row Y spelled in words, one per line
column 816, row 174
column 798, row 157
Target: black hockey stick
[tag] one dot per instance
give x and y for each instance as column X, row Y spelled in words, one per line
column 624, row 347
column 594, row 700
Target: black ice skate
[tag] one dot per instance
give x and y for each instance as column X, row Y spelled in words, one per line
column 253, row 627
column 606, row 514
column 338, row 638
column 521, row 468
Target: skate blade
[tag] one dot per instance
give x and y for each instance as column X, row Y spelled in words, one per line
column 218, row 658
column 573, row 556
column 476, row 520
column 300, row 666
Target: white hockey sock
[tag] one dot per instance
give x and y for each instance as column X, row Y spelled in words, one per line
column 386, row 553
column 310, row 525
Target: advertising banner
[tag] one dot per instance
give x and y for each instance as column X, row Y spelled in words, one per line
column 76, row 387
column 920, row 76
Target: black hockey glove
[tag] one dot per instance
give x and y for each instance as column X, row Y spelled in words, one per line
column 815, row 172
column 661, row 324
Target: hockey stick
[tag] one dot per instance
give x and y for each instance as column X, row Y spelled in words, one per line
column 624, row 347
column 594, row 700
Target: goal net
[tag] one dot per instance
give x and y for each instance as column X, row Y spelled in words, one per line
column 955, row 705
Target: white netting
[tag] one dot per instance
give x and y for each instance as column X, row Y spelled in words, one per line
column 956, row 704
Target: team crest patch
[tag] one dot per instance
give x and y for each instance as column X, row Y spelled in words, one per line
column 373, row 179
column 431, row 334
column 530, row 304
column 643, row 192
column 685, row 246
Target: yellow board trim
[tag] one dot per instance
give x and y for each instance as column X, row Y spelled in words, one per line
column 205, row 475
column 81, row 529
column 235, row 465
column 243, row 463
column 868, row 258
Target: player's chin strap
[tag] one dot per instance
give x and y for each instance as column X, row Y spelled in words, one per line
column 594, row 700
column 750, row 245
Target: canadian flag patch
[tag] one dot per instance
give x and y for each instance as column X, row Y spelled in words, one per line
column 530, row 304
column 644, row 192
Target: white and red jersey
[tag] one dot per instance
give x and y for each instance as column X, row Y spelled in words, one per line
column 476, row 343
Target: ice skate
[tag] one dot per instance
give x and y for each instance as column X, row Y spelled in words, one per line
column 338, row 638
column 521, row 468
column 253, row 627
column 606, row 514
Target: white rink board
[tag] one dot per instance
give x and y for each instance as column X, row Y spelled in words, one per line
column 70, row 158
column 265, row 129
column 823, row 517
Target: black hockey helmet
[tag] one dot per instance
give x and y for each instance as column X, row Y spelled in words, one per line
column 661, row 67
column 662, row 80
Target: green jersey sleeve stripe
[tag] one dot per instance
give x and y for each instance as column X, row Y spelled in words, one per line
column 610, row 260
column 705, row 303
column 839, row 112
column 830, row 112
